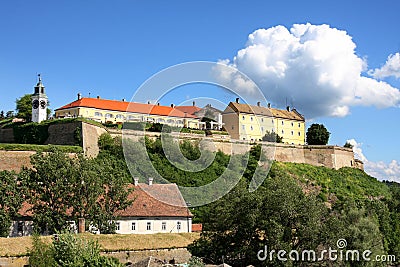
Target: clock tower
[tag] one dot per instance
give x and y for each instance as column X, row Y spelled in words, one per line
column 39, row 102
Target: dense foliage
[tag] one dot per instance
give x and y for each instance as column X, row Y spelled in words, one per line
column 24, row 107
column 317, row 134
column 301, row 207
column 272, row 137
column 62, row 188
column 11, row 198
column 68, row 250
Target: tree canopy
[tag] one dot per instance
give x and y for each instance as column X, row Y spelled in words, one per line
column 63, row 187
column 24, row 107
column 272, row 137
column 317, row 134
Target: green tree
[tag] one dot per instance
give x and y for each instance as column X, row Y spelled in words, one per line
column 24, row 107
column 11, row 199
column 272, row 137
column 317, row 134
column 2, row 117
column 64, row 187
column 278, row 215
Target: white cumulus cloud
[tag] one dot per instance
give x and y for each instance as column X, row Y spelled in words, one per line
column 391, row 68
column 381, row 170
column 315, row 67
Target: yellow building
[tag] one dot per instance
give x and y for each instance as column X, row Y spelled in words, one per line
column 113, row 111
column 250, row 123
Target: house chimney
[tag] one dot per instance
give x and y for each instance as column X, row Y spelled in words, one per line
column 79, row 96
column 237, row 99
column 258, row 103
column 194, row 103
column 136, row 181
column 158, row 103
column 150, row 180
column 288, row 108
column 172, row 105
column 98, row 97
column 269, row 105
column 123, row 100
column 148, row 102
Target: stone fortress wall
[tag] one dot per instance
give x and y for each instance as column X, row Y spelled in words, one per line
column 329, row 156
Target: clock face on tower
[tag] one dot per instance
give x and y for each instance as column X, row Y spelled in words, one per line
column 35, row 104
column 42, row 104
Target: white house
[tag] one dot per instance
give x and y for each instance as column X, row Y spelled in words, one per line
column 157, row 208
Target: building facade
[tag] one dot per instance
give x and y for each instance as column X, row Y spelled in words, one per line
column 251, row 122
column 211, row 118
column 113, row 111
column 157, row 208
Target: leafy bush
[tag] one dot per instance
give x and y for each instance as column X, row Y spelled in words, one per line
column 158, row 127
column 272, row 137
column 70, row 251
column 31, row 133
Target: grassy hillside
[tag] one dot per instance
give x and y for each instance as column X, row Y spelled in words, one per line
column 341, row 184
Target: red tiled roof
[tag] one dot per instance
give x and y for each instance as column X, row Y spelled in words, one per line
column 188, row 109
column 124, row 106
column 169, row 202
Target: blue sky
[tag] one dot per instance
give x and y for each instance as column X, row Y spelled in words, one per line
column 109, row 48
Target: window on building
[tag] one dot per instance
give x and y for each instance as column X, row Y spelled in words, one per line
column 283, row 132
column 243, row 118
column 98, row 114
column 148, row 226
column 272, row 120
column 292, row 132
column 251, row 128
column 178, row 225
column 233, row 127
column 251, row 118
column 163, row 226
column 299, row 124
column 262, row 129
column 282, row 122
column 119, row 116
column 243, row 127
column 117, row 226
column 262, row 119
column 299, row 133
column 133, row 226
column 109, row 115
